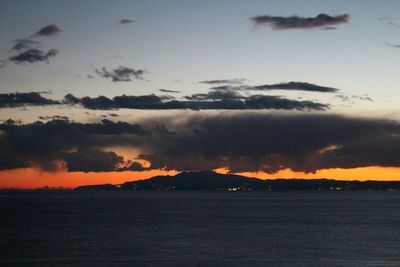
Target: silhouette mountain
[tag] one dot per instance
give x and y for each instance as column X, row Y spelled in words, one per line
column 211, row 181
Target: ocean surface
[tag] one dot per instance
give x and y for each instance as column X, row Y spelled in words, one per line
column 71, row 228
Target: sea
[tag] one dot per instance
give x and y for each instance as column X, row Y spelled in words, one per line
column 121, row 228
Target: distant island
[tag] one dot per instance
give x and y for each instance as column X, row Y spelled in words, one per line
column 211, row 181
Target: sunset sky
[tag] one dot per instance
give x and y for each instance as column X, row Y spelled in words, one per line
column 111, row 91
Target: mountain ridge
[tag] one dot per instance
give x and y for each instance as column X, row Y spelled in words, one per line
column 211, row 181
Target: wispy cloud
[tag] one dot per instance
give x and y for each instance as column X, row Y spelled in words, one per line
column 126, row 21
column 168, row 91
column 33, row 55
column 296, row 22
column 47, row 31
column 393, row 45
column 228, row 81
column 296, row 86
column 25, row 44
column 29, row 51
column 121, row 74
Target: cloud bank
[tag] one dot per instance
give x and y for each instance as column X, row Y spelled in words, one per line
column 251, row 141
column 214, row 100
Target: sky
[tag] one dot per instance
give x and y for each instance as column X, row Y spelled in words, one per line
column 112, row 91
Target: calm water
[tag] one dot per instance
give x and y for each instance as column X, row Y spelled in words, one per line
column 203, row 229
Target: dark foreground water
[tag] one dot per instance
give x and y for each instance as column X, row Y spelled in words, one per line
column 199, row 228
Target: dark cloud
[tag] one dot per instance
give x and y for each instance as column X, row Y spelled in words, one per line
column 251, row 141
column 29, row 51
column 271, row 142
column 71, row 99
column 25, row 44
column 45, row 145
column 168, row 91
column 90, row 76
column 22, row 99
column 229, row 81
column 126, row 21
column 121, row 74
column 277, row 102
column 133, row 166
column 105, row 103
column 33, row 55
column 2, row 63
column 49, row 30
column 88, row 159
column 214, row 100
column 223, row 98
column 296, row 22
column 299, row 86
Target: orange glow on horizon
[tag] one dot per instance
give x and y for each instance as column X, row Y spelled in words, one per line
column 30, row 178
column 361, row 174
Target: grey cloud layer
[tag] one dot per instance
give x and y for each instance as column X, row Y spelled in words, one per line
column 213, row 100
column 255, row 141
column 296, row 22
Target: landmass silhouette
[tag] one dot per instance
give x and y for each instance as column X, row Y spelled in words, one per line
column 211, row 181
